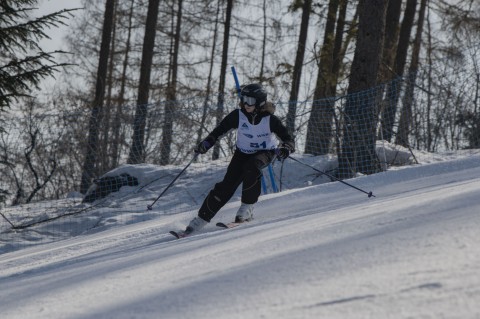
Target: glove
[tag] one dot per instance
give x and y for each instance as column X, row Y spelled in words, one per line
column 203, row 147
column 283, row 151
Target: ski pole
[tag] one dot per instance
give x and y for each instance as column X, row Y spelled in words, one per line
column 149, row 207
column 370, row 194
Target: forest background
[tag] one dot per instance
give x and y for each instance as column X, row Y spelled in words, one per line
column 144, row 81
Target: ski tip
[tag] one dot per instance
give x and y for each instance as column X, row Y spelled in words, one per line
column 223, row 225
column 230, row 225
column 174, row 233
column 179, row 234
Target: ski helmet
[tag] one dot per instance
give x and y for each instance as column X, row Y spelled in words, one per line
column 254, row 94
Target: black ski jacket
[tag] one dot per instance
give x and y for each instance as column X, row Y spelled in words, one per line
column 230, row 122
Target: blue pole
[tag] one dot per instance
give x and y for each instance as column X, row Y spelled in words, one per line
column 264, row 185
column 272, row 178
column 237, row 83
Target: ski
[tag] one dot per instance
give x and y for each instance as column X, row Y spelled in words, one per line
column 183, row 234
column 229, row 225
column 179, row 234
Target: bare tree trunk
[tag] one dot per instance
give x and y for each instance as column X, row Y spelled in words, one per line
column 297, row 69
column 89, row 172
column 341, row 46
column 107, row 121
column 389, row 48
column 429, row 89
column 319, row 131
column 137, row 150
column 171, row 93
column 223, row 71
column 117, row 138
column 358, row 145
column 209, row 78
column 264, row 41
column 406, row 114
column 391, row 40
column 339, row 52
column 393, row 91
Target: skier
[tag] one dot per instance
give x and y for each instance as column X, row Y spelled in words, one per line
column 256, row 147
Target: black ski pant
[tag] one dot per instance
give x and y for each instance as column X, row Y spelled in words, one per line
column 245, row 169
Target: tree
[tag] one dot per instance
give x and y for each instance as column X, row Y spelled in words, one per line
column 387, row 71
column 105, row 132
column 393, row 93
column 223, row 71
column 297, row 68
column 137, row 150
column 358, row 144
column 171, row 91
column 88, row 172
column 208, row 89
column 406, row 114
column 391, row 40
column 264, row 41
column 117, row 134
column 319, row 130
column 463, row 18
column 29, row 154
column 23, row 63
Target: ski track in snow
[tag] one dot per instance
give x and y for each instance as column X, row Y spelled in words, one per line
column 325, row 251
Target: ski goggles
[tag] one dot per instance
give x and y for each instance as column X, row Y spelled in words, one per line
column 249, row 100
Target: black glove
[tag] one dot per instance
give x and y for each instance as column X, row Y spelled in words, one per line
column 203, row 147
column 283, row 151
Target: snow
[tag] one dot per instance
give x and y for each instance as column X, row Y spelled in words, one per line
column 314, row 250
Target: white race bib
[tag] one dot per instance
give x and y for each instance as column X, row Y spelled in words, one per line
column 253, row 138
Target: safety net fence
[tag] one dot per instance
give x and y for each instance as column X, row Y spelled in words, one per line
column 57, row 181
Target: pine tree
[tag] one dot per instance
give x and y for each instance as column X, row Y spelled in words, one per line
column 23, row 63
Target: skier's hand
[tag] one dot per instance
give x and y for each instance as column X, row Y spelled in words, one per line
column 203, row 147
column 283, row 151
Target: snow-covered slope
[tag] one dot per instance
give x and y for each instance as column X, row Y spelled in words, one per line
column 325, row 251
